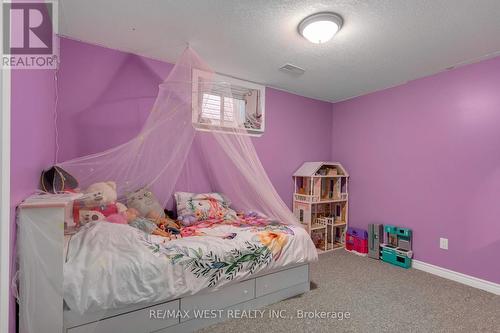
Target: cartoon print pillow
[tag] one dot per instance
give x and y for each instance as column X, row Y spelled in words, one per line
column 203, row 206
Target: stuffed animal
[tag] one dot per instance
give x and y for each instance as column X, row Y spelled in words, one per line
column 87, row 216
column 102, row 197
column 117, row 218
column 187, row 220
column 145, row 202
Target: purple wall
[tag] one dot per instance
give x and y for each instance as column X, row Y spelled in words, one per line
column 423, row 155
column 32, row 145
column 426, row 155
column 105, row 95
column 295, row 133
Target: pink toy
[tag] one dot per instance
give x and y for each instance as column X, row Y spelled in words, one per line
column 107, row 210
column 117, row 218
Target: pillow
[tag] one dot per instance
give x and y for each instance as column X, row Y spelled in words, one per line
column 203, row 206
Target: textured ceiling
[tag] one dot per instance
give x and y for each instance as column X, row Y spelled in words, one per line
column 382, row 43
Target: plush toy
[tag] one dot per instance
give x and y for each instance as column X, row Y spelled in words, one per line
column 117, row 218
column 145, row 202
column 187, row 220
column 87, row 216
column 134, row 219
column 102, row 197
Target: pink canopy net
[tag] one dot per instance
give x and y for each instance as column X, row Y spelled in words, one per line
column 169, row 154
column 156, row 157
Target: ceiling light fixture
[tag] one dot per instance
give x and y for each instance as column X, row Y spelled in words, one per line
column 320, row 27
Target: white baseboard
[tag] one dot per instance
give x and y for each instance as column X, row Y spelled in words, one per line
column 457, row 277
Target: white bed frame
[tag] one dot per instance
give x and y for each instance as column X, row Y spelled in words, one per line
column 38, row 219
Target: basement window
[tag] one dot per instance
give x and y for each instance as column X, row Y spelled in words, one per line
column 226, row 104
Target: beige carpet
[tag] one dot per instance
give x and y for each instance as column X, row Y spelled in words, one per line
column 380, row 298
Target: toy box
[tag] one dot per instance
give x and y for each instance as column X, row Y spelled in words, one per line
column 356, row 240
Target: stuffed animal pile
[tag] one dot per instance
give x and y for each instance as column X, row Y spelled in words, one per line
column 99, row 203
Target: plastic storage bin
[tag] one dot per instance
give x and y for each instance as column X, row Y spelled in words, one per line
column 356, row 240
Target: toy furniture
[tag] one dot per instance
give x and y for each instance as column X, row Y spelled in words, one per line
column 356, row 240
column 320, row 202
column 398, row 249
column 375, row 238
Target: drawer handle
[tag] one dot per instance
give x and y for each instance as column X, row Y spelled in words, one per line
column 245, row 291
column 265, row 286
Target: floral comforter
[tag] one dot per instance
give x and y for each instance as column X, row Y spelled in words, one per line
column 111, row 266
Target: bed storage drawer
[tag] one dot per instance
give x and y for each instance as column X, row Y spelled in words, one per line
column 134, row 322
column 276, row 281
column 234, row 294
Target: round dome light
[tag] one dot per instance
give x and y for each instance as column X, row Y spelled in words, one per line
column 321, row 27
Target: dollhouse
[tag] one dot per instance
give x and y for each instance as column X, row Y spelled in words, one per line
column 320, row 202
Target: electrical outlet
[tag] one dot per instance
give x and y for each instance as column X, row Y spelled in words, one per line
column 443, row 243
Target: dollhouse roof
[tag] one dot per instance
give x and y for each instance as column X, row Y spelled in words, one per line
column 309, row 169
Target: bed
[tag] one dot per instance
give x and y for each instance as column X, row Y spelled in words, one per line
column 110, row 266
column 117, row 278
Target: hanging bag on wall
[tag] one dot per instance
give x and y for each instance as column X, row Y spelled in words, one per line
column 56, row 179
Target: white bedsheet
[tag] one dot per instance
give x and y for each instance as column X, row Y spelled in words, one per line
column 111, row 266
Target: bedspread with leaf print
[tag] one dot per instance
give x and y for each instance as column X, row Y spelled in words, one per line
column 111, row 266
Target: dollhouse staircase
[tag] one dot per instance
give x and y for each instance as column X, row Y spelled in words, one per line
column 321, row 203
